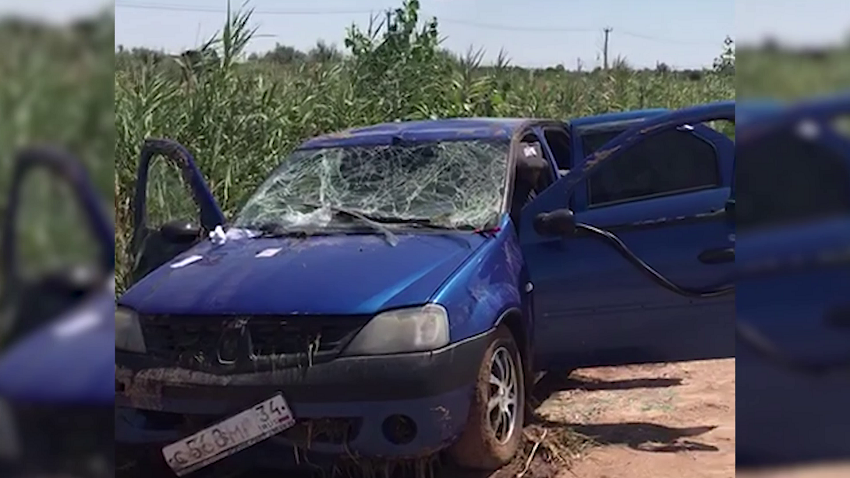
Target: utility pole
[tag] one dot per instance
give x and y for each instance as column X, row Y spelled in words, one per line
column 607, row 30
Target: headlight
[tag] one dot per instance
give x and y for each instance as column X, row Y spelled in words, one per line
column 405, row 330
column 10, row 448
column 128, row 331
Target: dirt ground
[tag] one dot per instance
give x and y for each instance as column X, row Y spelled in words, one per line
column 833, row 470
column 647, row 421
column 638, row 421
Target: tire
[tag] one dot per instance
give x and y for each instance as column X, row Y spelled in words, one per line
column 483, row 445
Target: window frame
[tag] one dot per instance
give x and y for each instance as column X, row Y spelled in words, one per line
column 719, row 184
column 547, row 129
column 550, row 179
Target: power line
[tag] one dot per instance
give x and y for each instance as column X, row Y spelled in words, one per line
column 202, row 9
column 474, row 24
column 196, row 8
column 493, row 26
column 668, row 40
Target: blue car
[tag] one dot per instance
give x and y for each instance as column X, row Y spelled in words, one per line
column 56, row 405
column 390, row 291
column 793, row 311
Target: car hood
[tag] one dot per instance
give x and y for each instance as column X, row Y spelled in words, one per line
column 319, row 275
column 70, row 361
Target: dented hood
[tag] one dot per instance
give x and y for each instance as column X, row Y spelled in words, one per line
column 319, row 275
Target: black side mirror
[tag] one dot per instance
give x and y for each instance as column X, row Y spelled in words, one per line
column 180, row 231
column 560, row 222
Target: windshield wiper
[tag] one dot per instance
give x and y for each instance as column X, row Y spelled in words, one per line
column 421, row 222
column 391, row 238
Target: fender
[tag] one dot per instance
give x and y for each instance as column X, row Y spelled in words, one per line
column 513, row 319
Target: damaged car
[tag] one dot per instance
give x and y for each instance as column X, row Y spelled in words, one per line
column 391, row 291
column 793, row 315
column 56, row 405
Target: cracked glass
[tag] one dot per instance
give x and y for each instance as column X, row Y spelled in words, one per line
column 456, row 184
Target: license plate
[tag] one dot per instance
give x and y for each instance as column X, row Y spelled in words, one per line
column 229, row 436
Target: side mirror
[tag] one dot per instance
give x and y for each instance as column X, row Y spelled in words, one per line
column 560, row 222
column 180, row 231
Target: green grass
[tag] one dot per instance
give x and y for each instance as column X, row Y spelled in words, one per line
column 790, row 75
column 56, row 89
column 240, row 118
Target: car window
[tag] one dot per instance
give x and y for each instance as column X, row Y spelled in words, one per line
column 455, row 183
column 671, row 162
column 169, row 197
column 590, row 142
column 559, row 143
column 784, row 178
column 546, row 180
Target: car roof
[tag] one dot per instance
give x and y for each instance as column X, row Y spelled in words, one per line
column 458, row 129
column 751, row 110
column 616, row 117
column 452, row 129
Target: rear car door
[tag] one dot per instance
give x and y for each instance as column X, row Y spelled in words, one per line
column 662, row 189
column 793, row 310
column 173, row 209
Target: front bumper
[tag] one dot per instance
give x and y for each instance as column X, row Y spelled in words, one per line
column 156, row 405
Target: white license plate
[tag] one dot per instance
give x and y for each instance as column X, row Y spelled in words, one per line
column 229, row 436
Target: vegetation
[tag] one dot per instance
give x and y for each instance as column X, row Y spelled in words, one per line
column 56, row 89
column 768, row 71
column 240, row 116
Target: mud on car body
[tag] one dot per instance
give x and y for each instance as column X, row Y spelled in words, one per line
column 397, row 285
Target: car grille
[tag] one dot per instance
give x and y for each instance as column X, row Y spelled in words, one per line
column 172, row 337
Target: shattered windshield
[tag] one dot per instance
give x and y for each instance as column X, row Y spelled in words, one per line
column 451, row 184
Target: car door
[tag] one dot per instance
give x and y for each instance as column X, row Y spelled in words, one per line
column 173, row 209
column 40, row 282
column 592, row 305
column 793, row 310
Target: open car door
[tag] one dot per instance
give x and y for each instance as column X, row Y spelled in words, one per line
column 173, row 209
column 30, row 298
column 793, row 308
column 56, row 323
column 641, row 269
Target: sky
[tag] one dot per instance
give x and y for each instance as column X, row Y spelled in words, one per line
column 54, row 11
column 681, row 33
column 793, row 22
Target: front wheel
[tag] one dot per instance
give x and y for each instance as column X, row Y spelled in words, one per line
column 496, row 416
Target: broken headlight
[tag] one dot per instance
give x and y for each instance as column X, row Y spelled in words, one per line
column 128, row 331
column 415, row 329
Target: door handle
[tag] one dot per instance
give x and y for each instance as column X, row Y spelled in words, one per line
column 717, row 256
